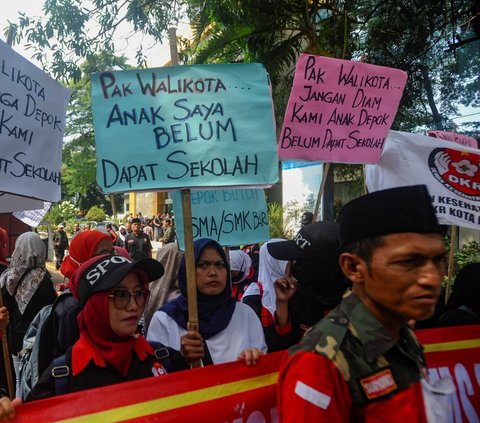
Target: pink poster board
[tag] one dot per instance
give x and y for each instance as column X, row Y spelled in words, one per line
column 453, row 136
column 339, row 111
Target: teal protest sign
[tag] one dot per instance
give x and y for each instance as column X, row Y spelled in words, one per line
column 230, row 216
column 183, row 127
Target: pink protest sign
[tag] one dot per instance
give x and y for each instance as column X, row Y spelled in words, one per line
column 453, row 136
column 339, row 111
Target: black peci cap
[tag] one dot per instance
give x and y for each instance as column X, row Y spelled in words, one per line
column 390, row 211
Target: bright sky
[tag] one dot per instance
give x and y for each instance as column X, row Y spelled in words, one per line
column 157, row 54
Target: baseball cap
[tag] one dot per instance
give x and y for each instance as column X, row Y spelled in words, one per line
column 319, row 240
column 102, row 273
column 390, row 211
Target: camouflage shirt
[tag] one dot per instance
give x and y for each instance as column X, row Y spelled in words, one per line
column 374, row 365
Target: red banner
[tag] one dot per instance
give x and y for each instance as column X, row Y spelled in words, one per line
column 229, row 392
column 235, row 393
column 455, row 351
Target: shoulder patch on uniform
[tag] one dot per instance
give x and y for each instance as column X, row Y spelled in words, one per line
column 379, row 384
column 312, row 395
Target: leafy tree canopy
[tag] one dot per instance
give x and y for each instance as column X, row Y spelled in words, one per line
column 75, row 30
column 421, row 38
column 79, row 161
column 436, row 42
column 95, row 213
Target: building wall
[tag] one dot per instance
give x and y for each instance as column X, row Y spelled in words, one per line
column 147, row 203
column 14, row 228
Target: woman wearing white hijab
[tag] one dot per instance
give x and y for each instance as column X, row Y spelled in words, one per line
column 269, row 299
column 26, row 287
column 242, row 272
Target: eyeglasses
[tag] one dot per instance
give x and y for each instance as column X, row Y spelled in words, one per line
column 204, row 265
column 121, row 297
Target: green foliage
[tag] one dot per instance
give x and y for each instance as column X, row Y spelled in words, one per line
column 61, row 213
column 79, row 161
column 95, row 213
column 72, row 30
column 353, row 173
column 423, row 43
column 436, row 42
column 468, row 253
column 276, row 222
column 283, row 220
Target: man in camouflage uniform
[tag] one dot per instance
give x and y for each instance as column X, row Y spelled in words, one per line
column 362, row 363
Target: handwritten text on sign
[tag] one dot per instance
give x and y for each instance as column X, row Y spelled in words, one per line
column 32, row 122
column 230, row 216
column 183, row 127
column 339, row 111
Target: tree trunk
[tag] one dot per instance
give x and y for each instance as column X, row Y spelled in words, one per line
column 114, row 206
column 437, row 117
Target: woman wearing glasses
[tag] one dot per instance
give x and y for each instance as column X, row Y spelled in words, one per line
column 229, row 330
column 112, row 292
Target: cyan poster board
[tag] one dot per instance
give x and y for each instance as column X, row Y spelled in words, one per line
column 184, row 127
column 230, row 216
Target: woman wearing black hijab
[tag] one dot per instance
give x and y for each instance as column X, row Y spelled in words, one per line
column 463, row 306
column 229, row 330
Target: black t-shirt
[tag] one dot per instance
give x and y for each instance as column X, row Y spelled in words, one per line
column 93, row 376
column 138, row 246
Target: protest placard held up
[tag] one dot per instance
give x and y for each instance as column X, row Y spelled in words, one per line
column 339, row 110
column 183, row 127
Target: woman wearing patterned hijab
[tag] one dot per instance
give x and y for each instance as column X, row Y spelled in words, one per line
column 26, row 286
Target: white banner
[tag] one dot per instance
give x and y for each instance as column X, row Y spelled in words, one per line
column 33, row 218
column 450, row 171
column 32, row 123
column 11, row 203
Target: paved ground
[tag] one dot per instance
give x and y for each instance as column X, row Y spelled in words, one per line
column 57, row 277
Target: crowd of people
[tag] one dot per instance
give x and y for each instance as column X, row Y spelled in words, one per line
column 342, row 297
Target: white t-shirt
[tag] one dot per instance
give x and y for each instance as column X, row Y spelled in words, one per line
column 244, row 331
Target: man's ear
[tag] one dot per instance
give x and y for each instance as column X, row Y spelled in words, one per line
column 353, row 267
